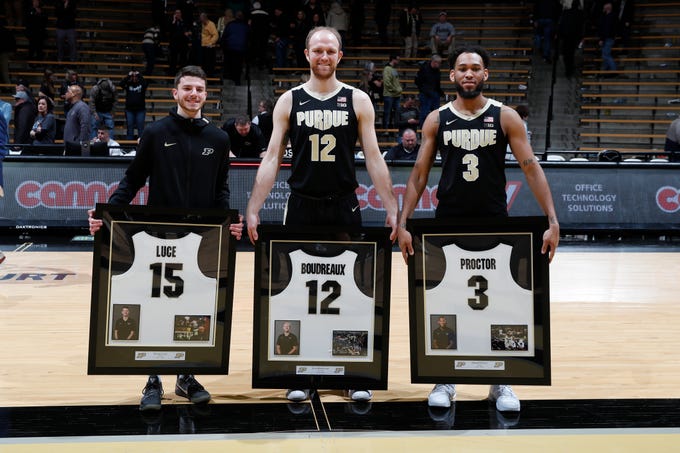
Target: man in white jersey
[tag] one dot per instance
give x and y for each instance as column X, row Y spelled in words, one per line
column 471, row 132
column 323, row 119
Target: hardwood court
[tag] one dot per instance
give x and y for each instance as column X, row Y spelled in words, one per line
column 614, row 321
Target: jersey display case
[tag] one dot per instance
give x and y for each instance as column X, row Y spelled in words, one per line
column 162, row 291
column 321, row 307
column 479, row 301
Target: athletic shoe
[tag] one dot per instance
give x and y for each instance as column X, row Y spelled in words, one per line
column 188, row 387
column 505, row 398
column 360, row 395
column 151, row 399
column 297, row 395
column 442, row 395
column 2, row 257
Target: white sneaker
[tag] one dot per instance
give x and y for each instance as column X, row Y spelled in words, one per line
column 360, row 395
column 442, row 395
column 297, row 395
column 505, row 398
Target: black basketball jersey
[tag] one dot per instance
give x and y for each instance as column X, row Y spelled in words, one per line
column 473, row 161
column 323, row 134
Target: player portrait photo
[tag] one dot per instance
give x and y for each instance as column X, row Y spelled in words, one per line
column 509, row 337
column 443, row 331
column 126, row 324
column 191, row 328
column 288, row 340
column 350, row 343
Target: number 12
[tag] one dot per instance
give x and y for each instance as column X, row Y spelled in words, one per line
column 330, row 285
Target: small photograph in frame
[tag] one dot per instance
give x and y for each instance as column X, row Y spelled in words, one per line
column 288, row 338
column 126, row 322
column 509, row 337
column 443, row 329
column 191, row 328
column 350, row 343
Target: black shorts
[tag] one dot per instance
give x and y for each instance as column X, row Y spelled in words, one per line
column 341, row 211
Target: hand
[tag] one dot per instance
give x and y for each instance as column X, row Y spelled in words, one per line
column 551, row 237
column 253, row 221
column 236, row 229
column 405, row 243
column 95, row 224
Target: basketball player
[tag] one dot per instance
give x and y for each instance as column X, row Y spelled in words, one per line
column 172, row 155
column 473, row 177
column 323, row 119
column 287, row 343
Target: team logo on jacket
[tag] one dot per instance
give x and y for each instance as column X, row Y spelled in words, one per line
column 208, row 151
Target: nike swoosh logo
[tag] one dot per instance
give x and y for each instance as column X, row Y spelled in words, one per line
column 169, row 144
column 354, row 209
column 304, row 102
column 451, row 121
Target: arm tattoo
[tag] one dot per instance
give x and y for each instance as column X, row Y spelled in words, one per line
column 552, row 220
column 528, row 161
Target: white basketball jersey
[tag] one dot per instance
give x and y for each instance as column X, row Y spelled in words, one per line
column 165, row 281
column 326, row 287
column 479, row 289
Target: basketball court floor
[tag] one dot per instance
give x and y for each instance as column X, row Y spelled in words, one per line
column 615, row 370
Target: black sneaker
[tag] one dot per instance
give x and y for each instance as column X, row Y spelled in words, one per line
column 151, row 399
column 188, row 387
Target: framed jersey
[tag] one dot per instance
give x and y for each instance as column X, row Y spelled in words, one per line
column 321, row 317
column 162, row 291
column 479, row 301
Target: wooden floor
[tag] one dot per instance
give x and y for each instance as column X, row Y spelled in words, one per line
column 614, row 320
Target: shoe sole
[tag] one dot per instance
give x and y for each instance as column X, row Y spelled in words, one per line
column 200, row 400
column 150, row 407
column 436, row 404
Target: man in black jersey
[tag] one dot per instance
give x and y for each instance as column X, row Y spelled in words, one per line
column 171, row 155
column 323, row 118
column 472, row 133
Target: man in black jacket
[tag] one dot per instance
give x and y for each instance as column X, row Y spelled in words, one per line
column 186, row 160
column 135, row 86
column 246, row 138
column 24, row 116
column 428, row 81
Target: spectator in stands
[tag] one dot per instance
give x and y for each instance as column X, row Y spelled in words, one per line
column 47, row 88
column 36, row 30
column 392, row 90
column 65, row 11
column 625, row 13
column 410, row 24
column 8, row 46
column 78, row 120
column 44, row 128
column 22, row 85
column 672, row 145
column 337, row 18
column 246, row 138
column 370, row 82
column 281, row 31
column 357, row 17
column 407, row 149
column 209, row 38
column 151, row 46
column 260, row 30
column 383, row 12
column 545, row 16
column 523, row 112
column 606, row 31
column 409, row 116
column 134, row 86
column 6, row 111
column 442, row 36
column 428, row 81
column 102, row 100
column 188, row 8
column 24, row 116
column 224, row 20
column 263, row 119
column 70, row 79
column 235, row 47
column 570, row 31
column 300, row 29
column 112, row 145
column 178, row 45
column 312, row 7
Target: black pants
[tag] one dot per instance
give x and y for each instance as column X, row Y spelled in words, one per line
column 341, row 211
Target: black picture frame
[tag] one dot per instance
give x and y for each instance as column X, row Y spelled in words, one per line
column 174, row 269
column 458, row 273
column 349, row 346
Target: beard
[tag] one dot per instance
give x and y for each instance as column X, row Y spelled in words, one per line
column 469, row 94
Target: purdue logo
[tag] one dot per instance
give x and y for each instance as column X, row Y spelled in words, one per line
column 208, row 151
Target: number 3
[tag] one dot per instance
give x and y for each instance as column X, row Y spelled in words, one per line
column 472, row 172
column 481, row 300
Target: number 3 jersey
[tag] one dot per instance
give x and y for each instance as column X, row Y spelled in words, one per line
column 165, row 281
column 323, row 295
column 479, row 290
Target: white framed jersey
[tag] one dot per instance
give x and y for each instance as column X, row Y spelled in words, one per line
column 336, row 318
column 173, row 294
column 487, row 304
